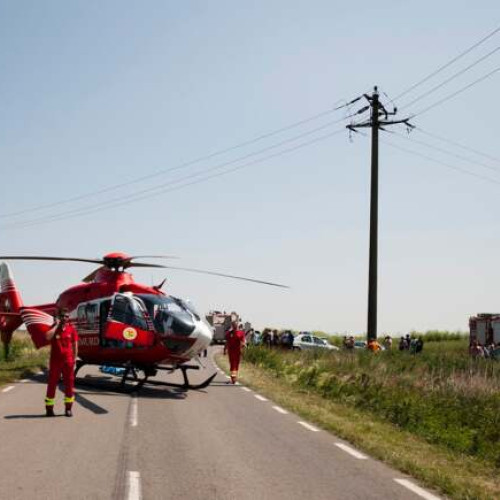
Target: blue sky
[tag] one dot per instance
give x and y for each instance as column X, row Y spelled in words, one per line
column 97, row 94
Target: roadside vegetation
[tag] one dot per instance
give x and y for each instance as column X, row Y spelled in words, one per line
column 23, row 360
column 427, row 336
column 435, row 415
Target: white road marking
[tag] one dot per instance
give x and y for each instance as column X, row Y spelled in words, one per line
column 246, row 389
column 280, row 410
column 133, row 412
column 134, row 485
column 24, row 380
column 39, row 373
column 308, row 426
column 351, row 451
column 7, row 389
column 260, row 398
column 416, row 489
column 227, row 376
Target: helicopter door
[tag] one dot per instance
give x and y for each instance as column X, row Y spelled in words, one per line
column 127, row 325
column 104, row 308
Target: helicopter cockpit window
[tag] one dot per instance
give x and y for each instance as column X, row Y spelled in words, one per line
column 170, row 315
column 127, row 310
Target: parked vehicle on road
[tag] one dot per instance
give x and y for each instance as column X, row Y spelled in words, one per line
column 308, row 341
column 220, row 323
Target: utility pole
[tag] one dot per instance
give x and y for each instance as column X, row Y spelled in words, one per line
column 377, row 110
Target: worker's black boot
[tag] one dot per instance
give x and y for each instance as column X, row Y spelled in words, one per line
column 49, row 411
column 67, row 410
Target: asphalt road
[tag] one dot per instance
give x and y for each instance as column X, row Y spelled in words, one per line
column 223, row 442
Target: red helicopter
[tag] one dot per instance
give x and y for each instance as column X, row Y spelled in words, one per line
column 120, row 323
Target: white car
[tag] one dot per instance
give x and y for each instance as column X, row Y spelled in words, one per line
column 307, row 341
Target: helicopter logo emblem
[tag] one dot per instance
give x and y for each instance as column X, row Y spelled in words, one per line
column 130, row 333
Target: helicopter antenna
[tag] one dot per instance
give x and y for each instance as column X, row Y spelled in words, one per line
column 160, row 286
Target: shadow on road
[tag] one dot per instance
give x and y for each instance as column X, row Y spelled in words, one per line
column 163, row 393
column 108, row 386
column 223, row 384
column 89, row 405
column 29, row 417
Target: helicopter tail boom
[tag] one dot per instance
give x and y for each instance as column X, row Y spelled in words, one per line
column 38, row 323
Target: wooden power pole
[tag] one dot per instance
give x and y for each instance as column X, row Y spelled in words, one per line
column 375, row 122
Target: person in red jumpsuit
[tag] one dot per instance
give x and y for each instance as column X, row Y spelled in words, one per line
column 235, row 342
column 63, row 352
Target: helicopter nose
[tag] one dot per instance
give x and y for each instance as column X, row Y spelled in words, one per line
column 204, row 334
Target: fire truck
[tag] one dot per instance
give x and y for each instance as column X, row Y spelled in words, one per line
column 221, row 322
column 485, row 328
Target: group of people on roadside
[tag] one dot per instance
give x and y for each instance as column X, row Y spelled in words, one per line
column 406, row 343
column 270, row 338
column 372, row 345
column 409, row 343
column 491, row 350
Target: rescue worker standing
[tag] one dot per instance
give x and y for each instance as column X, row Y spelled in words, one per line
column 63, row 352
column 235, row 342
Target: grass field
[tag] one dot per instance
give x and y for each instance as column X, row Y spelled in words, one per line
column 435, row 415
column 23, row 361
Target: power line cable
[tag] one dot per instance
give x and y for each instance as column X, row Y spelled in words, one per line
column 445, row 151
column 434, row 160
column 457, row 144
column 171, row 169
column 449, row 63
column 454, row 94
column 216, row 167
column 165, row 188
column 451, row 78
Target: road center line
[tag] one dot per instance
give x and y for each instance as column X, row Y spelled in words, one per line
column 134, row 485
column 133, row 412
column 308, row 426
column 351, row 451
column 416, row 489
column 260, row 398
column 7, row 389
column 280, row 410
column 246, row 389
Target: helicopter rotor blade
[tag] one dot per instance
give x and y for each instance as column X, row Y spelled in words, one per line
column 153, row 257
column 40, row 257
column 144, row 264
column 213, row 273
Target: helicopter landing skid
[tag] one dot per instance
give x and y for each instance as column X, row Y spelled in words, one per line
column 131, row 374
column 186, row 384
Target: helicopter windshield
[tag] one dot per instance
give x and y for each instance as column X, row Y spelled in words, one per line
column 129, row 311
column 170, row 315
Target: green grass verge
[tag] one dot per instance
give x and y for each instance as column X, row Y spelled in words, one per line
column 24, row 360
column 303, row 383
